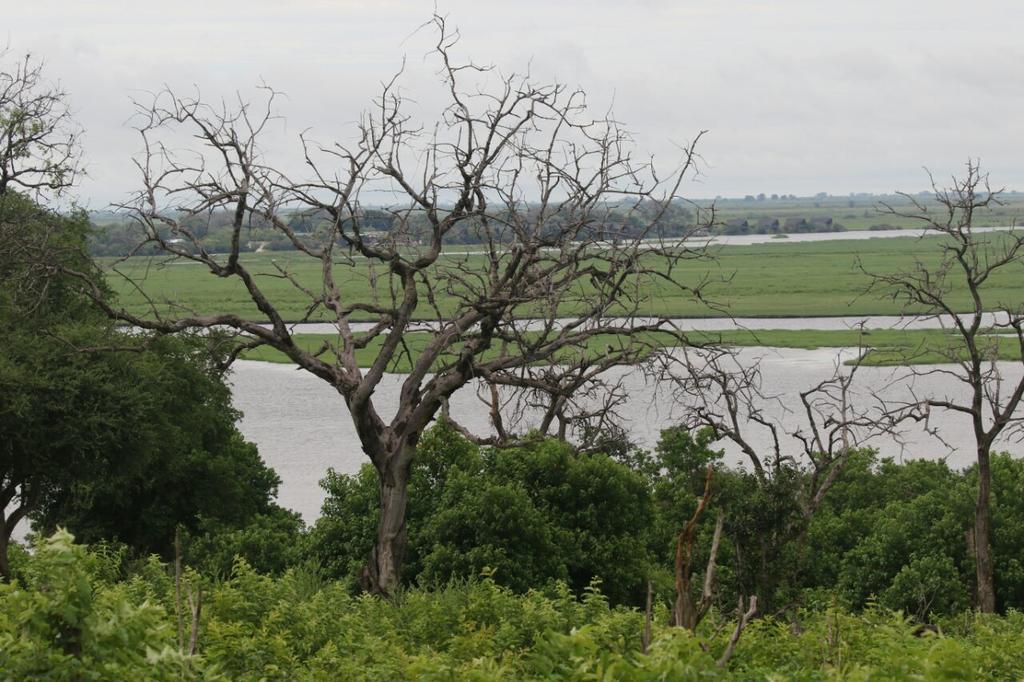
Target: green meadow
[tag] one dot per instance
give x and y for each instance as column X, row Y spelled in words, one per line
column 768, row 280
column 781, row 279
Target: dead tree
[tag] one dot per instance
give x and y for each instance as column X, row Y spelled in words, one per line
column 722, row 388
column 686, row 612
column 955, row 289
column 742, row 620
column 716, row 387
column 571, row 231
column 578, row 397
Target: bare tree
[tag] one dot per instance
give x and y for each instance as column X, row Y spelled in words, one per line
column 571, row 230
column 39, row 150
column 686, row 612
column 577, row 397
column 956, row 289
column 716, row 387
column 796, row 446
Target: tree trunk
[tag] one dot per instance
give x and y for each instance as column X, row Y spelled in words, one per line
column 383, row 570
column 684, row 614
column 5, row 567
column 982, row 550
column 8, row 522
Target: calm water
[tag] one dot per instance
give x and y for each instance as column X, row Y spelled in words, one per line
column 749, row 239
column 301, row 426
column 716, row 324
column 795, row 238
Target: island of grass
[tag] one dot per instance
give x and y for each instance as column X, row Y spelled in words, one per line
column 879, row 347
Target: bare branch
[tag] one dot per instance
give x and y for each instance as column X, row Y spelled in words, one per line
column 744, row 618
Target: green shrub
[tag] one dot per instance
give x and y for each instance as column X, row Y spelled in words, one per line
column 70, row 617
column 62, row 621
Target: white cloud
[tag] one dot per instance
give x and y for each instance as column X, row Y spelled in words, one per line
column 800, row 96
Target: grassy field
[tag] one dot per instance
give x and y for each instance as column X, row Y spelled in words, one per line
column 782, row 279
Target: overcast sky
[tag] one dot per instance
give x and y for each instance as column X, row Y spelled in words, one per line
column 798, row 96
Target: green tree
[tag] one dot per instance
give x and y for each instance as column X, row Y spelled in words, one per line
column 39, row 149
column 114, row 435
column 39, row 312
column 153, row 442
column 1008, row 530
column 531, row 514
column 544, row 511
column 271, row 542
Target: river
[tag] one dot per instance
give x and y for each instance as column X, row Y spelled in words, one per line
column 804, row 237
column 711, row 324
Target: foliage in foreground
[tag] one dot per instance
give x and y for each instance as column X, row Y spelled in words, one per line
column 70, row 615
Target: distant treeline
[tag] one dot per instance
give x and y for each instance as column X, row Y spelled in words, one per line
column 737, row 226
column 117, row 236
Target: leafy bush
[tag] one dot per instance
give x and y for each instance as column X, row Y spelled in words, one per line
column 69, row 618
column 64, row 621
column 270, row 542
column 886, row 533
